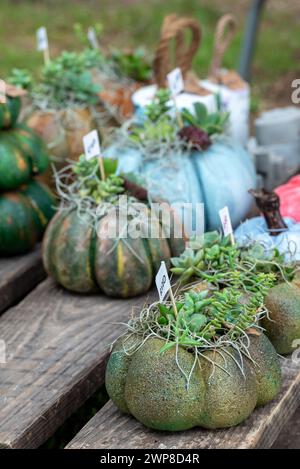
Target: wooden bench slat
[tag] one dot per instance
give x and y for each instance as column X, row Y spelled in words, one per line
column 109, row 428
column 56, row 344
column 19, row 275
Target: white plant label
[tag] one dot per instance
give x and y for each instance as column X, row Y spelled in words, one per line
column 226, row 221
column 42, row 39
column 162, row 281
column 91, row 145
column 2, row 92
column 175, row 81
column 92, row 37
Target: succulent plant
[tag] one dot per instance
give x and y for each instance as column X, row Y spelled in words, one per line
column 195, row 137
column 132, row 64
column 210, row 123
column 20, row 78
column 214, row 259
column 90, row 184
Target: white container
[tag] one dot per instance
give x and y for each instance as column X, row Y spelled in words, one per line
column 145, row 95
column 237, row 103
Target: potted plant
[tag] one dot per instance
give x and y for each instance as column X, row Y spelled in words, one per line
column 62, row 105
column 200, row 361
column 186, row 158
column 217, row 261
column 90, row 246
column 120, row 72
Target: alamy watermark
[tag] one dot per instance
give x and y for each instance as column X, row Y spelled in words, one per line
column 128, row 219
column 296, row 93
column 296, row 353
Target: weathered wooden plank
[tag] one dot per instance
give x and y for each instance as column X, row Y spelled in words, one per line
column 19, row 275
column 111, row 429
column 289, row 438
column 56, row 344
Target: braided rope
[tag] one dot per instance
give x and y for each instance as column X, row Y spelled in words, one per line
column 173, row 29
column 225, row 32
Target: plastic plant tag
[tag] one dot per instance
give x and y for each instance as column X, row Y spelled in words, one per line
column 2, row 92
column 175, row 81
column 226, row 221
column 91, row 145
column 162, row 281
column 42, row 39
column 92, row 37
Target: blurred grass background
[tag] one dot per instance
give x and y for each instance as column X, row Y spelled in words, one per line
column 130, row 23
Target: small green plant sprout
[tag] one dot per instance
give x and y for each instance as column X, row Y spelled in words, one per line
column 133, row 64
column 90, row 185
column 66, row 82
column 210, row 123
column 158, row 126
column 159, row 106
column 20, row 78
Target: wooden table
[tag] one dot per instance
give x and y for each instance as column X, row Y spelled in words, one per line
column 56, row 351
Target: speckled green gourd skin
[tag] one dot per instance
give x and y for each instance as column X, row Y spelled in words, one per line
column 267, row 368
column 230, row 396
column 283, row 304
column 149, row 385
column 116, row 371
column 155, row 389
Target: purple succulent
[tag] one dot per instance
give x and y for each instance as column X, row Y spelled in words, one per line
column 197, row 138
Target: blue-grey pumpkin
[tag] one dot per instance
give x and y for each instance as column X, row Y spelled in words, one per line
column 216, row 177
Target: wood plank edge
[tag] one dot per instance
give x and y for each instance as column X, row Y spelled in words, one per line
column 20, row 288
column 53, row 418
column 279, row 416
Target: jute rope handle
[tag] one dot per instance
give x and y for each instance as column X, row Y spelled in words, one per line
column 173, row 29
column 225, row 32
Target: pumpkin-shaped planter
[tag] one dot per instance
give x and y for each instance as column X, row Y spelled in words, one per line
column 215, row 260
column 196, row 366
column 89, row 244
column 24, row 216
column 22, row 155
column 283, row 323
column 190, row 164
column 62, row 130
column 62, row 107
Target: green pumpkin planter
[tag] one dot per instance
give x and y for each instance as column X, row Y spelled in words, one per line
column 216, row 261
column 283, row 301
column 77, row 250
column 22, row 155
column 207, row 365
column 24, row 216
column 283, row 325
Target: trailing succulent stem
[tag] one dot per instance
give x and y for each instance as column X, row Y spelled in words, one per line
column 213, row 259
